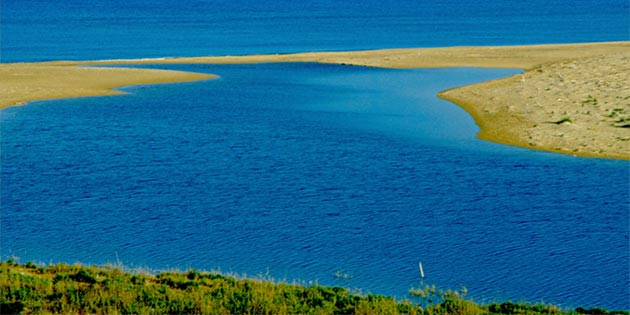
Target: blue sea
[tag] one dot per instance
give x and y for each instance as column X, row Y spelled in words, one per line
column 314, row 173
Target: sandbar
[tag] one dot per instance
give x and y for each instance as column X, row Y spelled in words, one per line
column 24, row 82
column 571, row 98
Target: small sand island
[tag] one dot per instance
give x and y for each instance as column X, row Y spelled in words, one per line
column 571, row 98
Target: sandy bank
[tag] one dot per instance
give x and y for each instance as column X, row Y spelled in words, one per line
column 572, row 98
column 577, row 106
column 523, row 57
column 23, row 82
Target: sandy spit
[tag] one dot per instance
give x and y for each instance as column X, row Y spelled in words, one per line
column 571, row 98
column 24, row 82
column 523, row 57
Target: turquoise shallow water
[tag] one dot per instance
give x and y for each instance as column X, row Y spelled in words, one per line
column 313, row 171
column 316, row 170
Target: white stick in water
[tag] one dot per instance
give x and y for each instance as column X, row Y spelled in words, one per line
column 421, row 270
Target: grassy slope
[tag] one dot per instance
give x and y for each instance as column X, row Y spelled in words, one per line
column 64, row 289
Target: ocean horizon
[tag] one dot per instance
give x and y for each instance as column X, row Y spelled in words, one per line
column 41, row 30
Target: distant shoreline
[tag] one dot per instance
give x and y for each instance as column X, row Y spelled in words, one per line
column 572, row 98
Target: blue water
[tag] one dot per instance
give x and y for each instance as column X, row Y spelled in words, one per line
column 303, row 171
column 315, row 170
column 34, row 30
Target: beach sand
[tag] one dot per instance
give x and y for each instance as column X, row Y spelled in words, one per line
column 571, row 98
column 578, row 106
column 24, row 82
column 522, row 57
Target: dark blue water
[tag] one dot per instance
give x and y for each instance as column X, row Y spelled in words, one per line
column 34, row 30
column 316, row 170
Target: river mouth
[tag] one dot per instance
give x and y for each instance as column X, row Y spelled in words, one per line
column 309, row 171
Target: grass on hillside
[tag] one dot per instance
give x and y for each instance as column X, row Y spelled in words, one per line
column 77, row 289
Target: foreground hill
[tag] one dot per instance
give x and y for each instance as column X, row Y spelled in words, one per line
column 77, row 289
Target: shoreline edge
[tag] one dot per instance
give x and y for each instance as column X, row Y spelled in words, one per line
column 571, row 98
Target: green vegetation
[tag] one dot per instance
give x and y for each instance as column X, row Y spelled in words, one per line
column 563, row 120
column 64, row 289
column 622, row 118
column 590, row 100
column 616, row 112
